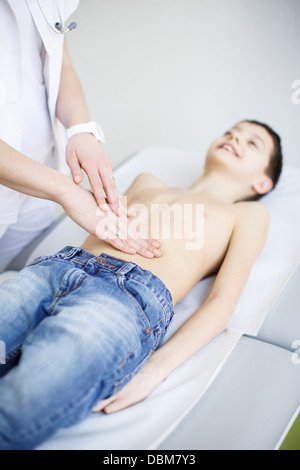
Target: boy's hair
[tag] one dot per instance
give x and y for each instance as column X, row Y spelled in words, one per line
column 274, row 168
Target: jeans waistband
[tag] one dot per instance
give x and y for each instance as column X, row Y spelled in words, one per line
column 82, row 257
column 120, row 267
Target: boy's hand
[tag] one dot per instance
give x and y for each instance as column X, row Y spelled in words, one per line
column 142, row 384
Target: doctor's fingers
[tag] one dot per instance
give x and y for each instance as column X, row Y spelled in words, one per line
column 145, row 247
column 92, row 172
column 110, row 187
column 133, row 239
column 104, row 188
column 74, row 165
column 132, row 247
column 141, row 241
column 97, row 187
column 117, row 236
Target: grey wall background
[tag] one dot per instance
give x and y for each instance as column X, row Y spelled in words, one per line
column 177, row 73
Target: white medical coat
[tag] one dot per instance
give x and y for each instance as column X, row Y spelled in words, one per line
column 11, row 83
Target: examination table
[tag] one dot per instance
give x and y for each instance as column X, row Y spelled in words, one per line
column 242, row 391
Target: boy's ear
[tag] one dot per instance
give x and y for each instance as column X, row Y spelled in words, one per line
column 263, row 185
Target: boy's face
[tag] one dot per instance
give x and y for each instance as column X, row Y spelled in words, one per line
column 245, row 151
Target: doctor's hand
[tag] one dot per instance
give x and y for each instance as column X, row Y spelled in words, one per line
column 85, row 153
column 123, row 233
column 81, row 206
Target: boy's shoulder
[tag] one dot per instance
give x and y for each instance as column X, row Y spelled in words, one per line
column 252, row 207
column 252, row 212
column 148, row 177
column 147, row 180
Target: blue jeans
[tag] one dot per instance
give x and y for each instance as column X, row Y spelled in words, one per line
column 76, row 328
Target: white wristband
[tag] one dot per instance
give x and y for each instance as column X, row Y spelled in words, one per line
column 90, row 128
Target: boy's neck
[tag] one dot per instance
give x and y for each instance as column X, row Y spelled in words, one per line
column 218, row 187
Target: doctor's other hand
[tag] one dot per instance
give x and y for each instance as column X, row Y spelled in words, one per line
column 81, row 206
column 85, row 153
column 123, row 234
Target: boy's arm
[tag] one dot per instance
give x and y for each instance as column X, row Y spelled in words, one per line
column 246, row 243
column 247, row 240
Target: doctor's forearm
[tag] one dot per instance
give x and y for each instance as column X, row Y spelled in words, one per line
column 71, row 108
column 24, row 175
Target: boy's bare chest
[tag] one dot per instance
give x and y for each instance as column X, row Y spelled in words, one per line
column 187, row 223
column 181, row 207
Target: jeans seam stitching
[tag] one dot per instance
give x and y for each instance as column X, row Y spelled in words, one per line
column 13, row 353
column 79, row 262
column 58, row 295
column 132, row 373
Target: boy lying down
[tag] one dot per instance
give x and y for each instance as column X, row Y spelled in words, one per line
column 86, row 325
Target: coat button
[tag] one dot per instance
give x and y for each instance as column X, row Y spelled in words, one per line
column 149, row 331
